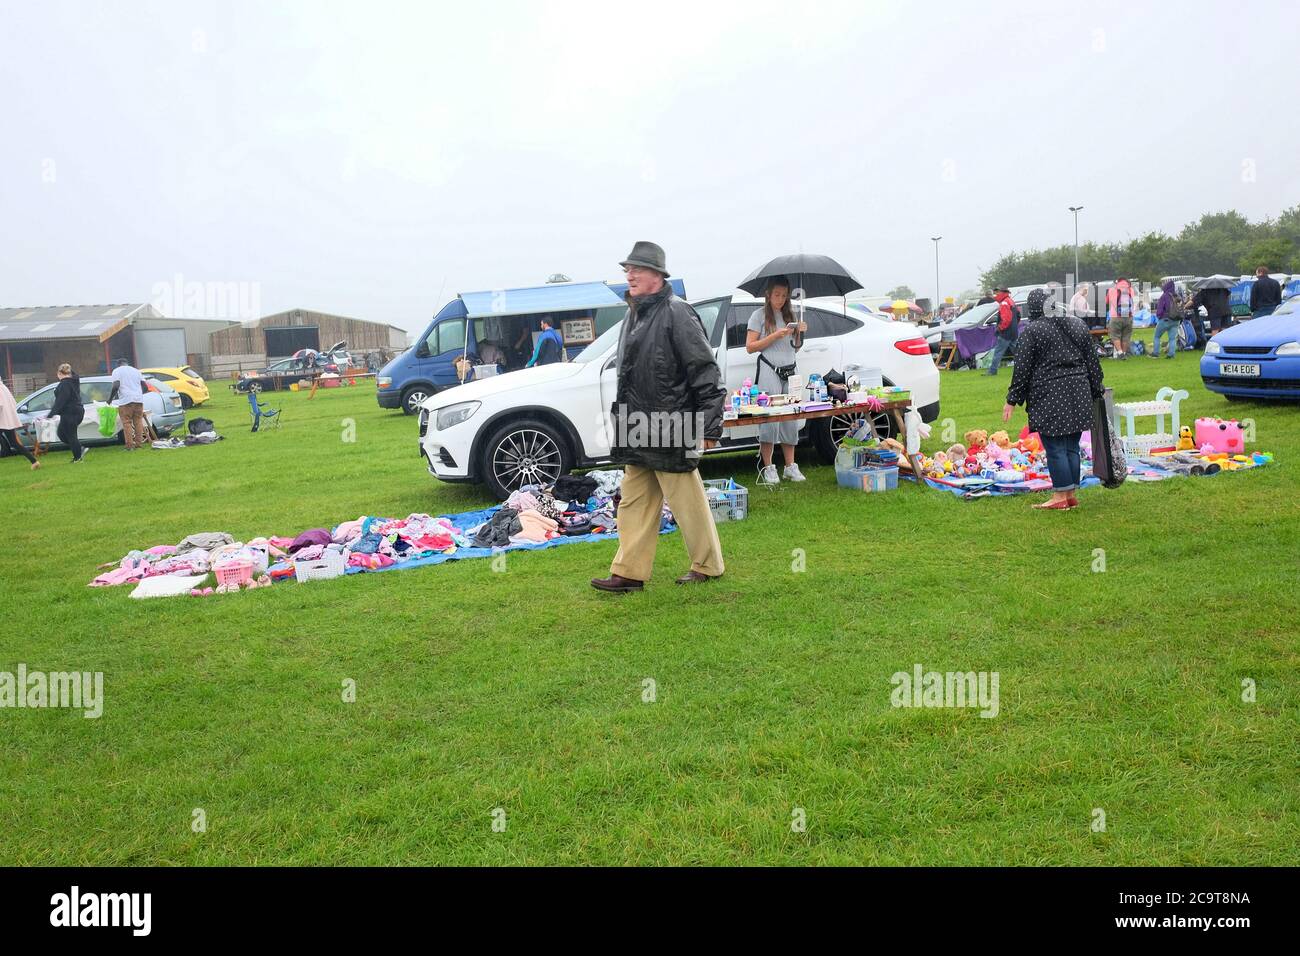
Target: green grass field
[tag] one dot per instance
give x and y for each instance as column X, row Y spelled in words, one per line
column 523, row 690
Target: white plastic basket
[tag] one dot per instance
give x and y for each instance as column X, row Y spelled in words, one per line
column 329, row 565
column 1139, row 446
column 728, row 500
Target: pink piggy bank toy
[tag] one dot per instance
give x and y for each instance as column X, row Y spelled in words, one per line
column 1225, row 437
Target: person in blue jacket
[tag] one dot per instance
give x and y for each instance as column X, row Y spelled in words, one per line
column 549, row 346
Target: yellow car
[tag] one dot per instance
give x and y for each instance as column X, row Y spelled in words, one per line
column 193, row 390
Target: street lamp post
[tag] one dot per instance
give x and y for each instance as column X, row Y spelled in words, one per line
column 935, row 240
column 1075, row 210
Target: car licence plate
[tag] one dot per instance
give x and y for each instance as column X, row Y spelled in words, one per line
column 1240, row 370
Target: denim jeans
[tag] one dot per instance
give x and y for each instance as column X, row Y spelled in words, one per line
column 1167, row 327
column 1063, row 460
column 999, row 350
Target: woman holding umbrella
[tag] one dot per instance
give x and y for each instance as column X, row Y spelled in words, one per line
column 776, row 344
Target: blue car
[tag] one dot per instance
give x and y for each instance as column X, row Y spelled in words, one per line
column 1256, row 359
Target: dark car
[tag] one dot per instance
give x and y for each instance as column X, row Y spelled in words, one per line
column 282, row 374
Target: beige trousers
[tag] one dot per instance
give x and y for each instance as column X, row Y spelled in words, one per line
column 132, row 418
column 639, row 511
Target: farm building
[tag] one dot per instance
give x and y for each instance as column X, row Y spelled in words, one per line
column 254, row 345
column 35, row 340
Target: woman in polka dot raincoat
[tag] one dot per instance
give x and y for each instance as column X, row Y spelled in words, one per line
column 1057, row 378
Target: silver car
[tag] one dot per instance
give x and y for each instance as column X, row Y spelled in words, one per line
column 162, row 404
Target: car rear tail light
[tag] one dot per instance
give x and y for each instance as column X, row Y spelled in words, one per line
column 917, row 346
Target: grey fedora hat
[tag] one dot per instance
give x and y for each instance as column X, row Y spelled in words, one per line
column 647, row 254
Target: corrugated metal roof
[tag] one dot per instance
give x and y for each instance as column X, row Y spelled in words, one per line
column 37, row 323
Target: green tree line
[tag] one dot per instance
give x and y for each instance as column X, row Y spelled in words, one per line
column 1219, row 242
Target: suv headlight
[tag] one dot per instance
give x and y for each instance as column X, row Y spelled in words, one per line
column 1289, row 348
column 455, row 414
column 384, row 381
column 1213, row 348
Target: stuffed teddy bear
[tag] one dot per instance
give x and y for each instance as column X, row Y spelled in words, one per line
column 957, row 452
column 976, row 439
column 999, row 447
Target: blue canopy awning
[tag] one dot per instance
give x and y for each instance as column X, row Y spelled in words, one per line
column 567, row 297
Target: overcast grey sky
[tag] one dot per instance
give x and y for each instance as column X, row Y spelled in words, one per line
column 361, row 158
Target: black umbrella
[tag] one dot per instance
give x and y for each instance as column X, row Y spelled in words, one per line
column 817, row 276
column 1214, row 282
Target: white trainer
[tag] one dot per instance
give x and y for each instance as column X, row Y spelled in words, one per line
column 792, row 473
column 768, row 476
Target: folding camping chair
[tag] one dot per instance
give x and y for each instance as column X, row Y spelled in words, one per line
column 260, row 410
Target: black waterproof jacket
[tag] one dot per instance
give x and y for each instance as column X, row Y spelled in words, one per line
column 1265, row 293
column 1057, row 376
column 670, row 394
column 67, row 400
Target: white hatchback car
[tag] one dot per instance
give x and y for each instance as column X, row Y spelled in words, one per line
column 533, row 425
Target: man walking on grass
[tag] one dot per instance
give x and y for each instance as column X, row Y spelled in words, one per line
column 128, row 397
column 667, row 411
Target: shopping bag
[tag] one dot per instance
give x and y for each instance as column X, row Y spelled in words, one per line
column 47, row 430
column 1108, row 460
column 107, row 421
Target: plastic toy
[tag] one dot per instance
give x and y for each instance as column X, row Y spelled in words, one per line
column 1222, row 436
column 1030, row 441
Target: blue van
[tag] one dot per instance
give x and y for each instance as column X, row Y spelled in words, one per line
column 499, row 327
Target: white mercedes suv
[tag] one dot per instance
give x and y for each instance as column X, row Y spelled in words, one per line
column 533, row 425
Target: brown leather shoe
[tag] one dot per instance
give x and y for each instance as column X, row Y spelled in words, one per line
column 616, row 585
column 694, row 577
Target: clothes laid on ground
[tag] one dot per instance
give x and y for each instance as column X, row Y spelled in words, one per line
column 575, row 487
column 176, row 441
column 535, row 526
column 496, row 532
column 373, row 544
column 204, row 541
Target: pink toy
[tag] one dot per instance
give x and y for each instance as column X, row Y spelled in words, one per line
column 1221, row 436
